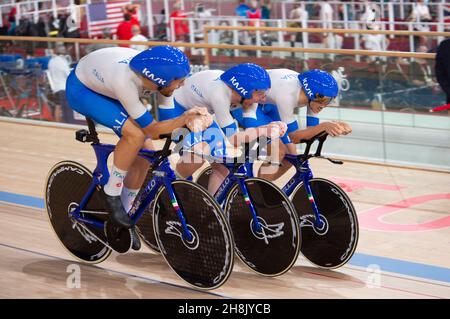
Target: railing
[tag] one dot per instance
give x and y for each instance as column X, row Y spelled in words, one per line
column 387, row 9
column 197, row 26
column 320, row 50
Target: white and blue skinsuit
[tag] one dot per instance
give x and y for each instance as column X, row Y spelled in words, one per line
column 104, row 88
column 281, row 102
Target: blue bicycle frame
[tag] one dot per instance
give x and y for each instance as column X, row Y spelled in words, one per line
column 162, row 175
column 238, row 174
column 304, row 173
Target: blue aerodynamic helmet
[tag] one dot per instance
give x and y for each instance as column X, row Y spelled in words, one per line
column 318, row 84
column 245, row 78
column 161, row 64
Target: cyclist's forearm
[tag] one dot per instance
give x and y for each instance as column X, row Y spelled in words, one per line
column 155, row 129
column 305, row 134
column 245, row 136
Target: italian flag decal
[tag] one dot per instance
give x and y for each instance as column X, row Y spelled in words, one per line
column 175, row 204
column 247, row 200
column 311, row 199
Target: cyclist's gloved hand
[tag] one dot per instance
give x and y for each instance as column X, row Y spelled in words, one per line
column 272, row 130
column 282, row 127
column 347, row 129
column 197, row 110
column 332, row 128
column 198, row 123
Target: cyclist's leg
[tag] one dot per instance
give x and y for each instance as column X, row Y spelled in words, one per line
column 210, row 141
column 264, row 115
column 110, row 113
column 188, row 162
column 218, row 175
column 135, row 177
column 217, row 142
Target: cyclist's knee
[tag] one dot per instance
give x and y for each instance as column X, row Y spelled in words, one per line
column 133, row 134
column 282, row 151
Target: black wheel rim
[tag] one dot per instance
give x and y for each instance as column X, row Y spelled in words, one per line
column 67, row 184
column 207, row 260
column 273, row 251
column 335, row 244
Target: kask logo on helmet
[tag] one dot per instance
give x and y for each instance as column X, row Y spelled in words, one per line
column 238, row 87
column 307, row 89
column 153, row 77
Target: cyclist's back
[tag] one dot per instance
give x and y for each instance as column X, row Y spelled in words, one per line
column 204, row 89
column 106, row 71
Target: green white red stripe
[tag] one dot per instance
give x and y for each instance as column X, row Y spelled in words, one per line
column 175, row 204
column 311, row 198
column 247, row 200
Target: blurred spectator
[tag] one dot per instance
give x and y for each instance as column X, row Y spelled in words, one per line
column 298, row 13
column 265, row 9
column 181, row 27
column 244, row 36
column 370, row 18
column 421, row 78
column 442, row 67
column 326, row 14
column 333, row 41
column 137, row 36
column 253, row 13
column 12, row 20
column 124, row 28
column 58, row 71
column 106, row 34
column 201, row 12
column 43, row 26
column 375, row 42
column 301, row 16
column 131, row 9
column 420, row 72
column 419, row 14
column 160, row 27
column 67, row 26
column 4, row 26
column 241, row 9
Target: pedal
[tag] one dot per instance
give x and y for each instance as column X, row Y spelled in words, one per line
column 119, row 238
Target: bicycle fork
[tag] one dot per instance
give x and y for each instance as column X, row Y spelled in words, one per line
column 244, row 171
column 318, row 222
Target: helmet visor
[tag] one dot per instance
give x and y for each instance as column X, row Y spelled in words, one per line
column 321, row 101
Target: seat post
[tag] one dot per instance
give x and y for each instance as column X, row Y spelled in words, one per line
column 93, row 135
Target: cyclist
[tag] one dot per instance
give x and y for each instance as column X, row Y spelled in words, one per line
column 218, row 91
column 291, row 90
column 106, row 86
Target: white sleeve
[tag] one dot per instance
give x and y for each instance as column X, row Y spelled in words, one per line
column 221, row 110
column 286, row 106
column 127, row 93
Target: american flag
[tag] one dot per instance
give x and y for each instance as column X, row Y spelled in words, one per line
column 105, row 15
column 447, row 14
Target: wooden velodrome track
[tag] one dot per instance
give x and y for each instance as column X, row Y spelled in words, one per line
column 403, row 249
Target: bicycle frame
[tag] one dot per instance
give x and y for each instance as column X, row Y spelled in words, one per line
column 303, row 175
column 163, row 175
column 238, row 174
